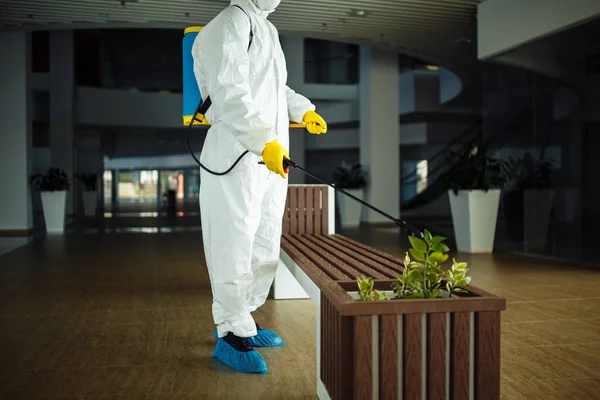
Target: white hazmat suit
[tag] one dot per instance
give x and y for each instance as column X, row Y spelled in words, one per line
column 242, row 211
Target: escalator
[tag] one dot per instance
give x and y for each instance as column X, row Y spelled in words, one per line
column 437, row 165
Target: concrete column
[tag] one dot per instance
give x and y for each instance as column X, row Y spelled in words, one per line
column 62, row 87
column 293, row 48
column 15, row 134
column 380, row 131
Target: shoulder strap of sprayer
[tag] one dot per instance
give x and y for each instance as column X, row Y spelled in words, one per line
column 208, row 102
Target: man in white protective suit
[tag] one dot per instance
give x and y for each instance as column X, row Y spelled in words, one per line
column 239, row 63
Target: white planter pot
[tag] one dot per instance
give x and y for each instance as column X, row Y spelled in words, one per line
column 90, row 203
column 537, row 206
column 474, row 215
column 350, row 209
column 567, row 205
column 54, row 204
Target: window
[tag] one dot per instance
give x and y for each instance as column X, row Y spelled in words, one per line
column 330, row 62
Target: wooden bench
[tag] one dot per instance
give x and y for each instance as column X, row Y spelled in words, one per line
column 395, row 349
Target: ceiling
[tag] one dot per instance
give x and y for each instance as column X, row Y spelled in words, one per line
column 570, row 55
column 437, row 30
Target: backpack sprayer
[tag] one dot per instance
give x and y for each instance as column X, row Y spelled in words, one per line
column 194, row 110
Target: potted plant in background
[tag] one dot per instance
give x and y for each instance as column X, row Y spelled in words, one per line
column 89, row 181
column 474, row 184
column 53, row 185
column 528, row 203
column 353, row 179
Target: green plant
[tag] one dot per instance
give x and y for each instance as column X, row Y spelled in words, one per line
column 366, row 291
column 54, row 180
column 88, row 180
column 457, row 278
column 424, row 277
column 475, row 170
column 410, row 284
column 350, row 176
column 526, row 173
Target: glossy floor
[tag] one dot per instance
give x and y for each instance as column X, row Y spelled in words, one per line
column 127, row 316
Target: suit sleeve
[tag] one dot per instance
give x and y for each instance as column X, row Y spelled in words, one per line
column 223, row 51
column 298, row 105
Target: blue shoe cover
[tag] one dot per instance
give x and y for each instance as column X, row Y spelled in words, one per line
column 249, row 362
column 263, row 338
column 266, row 338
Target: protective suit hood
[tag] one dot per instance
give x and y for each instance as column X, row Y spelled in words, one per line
column 250, row 7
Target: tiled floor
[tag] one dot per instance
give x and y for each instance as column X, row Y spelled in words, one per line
column 9, row 244
column 127, row 316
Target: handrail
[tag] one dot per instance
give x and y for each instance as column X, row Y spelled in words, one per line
column 441, row 152
column 499, row 137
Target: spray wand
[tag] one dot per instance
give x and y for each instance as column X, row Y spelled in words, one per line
column 287, row 163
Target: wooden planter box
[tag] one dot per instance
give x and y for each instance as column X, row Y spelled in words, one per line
column 410, row 349
column 439, row 349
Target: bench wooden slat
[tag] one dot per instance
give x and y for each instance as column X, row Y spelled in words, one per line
column 318, row 211
column 302, row 209
column 363, row 358
column 309, row 209
column 335, row 262
column 412, row 355
column 286, row 214
column 383, row 268
column 460, row 355
column 346, row 340
column 436, row 356
column 293, row 209
column 346, row 260
column 327, row 285
column 329, row 269
column 487, row 359
column 332, row 345
column 326, row 332
column 388, row 354
column 338, row 352
column 380, row 253
column 395, row 265
column 306, row 210
column 325, row 210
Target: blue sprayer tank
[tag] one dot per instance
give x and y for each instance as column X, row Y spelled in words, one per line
column 191, row 93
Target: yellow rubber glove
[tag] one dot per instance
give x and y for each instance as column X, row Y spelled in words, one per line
column 315, row 124
column 273, row 155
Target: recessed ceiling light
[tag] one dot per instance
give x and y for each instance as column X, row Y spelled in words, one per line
column 432, row 67
column 358, row 13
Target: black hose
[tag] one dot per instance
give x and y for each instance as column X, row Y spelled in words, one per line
column 198, row 109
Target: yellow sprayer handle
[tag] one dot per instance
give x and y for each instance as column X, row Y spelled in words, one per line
column 204, row 122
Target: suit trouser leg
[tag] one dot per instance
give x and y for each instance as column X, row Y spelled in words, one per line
column 267, row 241
column 230, row 208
